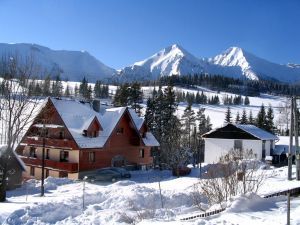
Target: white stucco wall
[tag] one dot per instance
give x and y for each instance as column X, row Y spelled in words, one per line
column 215, row 148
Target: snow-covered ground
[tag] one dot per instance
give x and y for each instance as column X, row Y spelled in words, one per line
column 138, row 199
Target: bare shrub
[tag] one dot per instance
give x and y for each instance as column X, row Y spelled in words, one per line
column 236, row 173
column 137, row 213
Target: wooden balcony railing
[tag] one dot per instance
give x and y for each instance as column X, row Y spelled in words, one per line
column 66, row 166
column 51, row 142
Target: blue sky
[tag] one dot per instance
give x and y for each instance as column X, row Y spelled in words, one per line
column 120, row 32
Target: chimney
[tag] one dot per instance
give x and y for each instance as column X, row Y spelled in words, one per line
column 96, row 105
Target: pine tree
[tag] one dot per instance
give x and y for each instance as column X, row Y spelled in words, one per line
column 84, row 90
column 122, row 95
column 135, row 97
column 261, row 118
column 246, row 101
column 57, row 87
column 98, row 89
column 270, row 120
column 244, row 119
column 237, row 118
column 67, row 91
column 188, row 122
column 171, row 129
column 46, row 86
column 76, row 91
column 251, row 120
column 228, row 116
column 150, row 114
column 37, row 89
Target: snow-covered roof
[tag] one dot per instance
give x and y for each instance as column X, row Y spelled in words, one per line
column 20, row 161
column 257, row 132
column 150, row 140
column 78, row 116
column 251, row 131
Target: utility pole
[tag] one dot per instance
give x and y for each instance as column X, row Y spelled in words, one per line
column 288, row 211
column 291, row 141
column 297, row 155
column 43, row 160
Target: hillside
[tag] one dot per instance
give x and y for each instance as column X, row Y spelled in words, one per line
column 72, row 65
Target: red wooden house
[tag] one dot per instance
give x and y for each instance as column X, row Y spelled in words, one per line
column 80, row 139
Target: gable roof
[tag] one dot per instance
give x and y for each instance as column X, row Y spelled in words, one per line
column 240, row 131
column 77, row 117
column 257, row 132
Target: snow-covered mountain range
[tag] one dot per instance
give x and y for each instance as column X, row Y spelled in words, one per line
column 173, row 60
column 72, row 65
column 234, row 62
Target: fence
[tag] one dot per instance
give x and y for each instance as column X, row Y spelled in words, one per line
column 293, row 192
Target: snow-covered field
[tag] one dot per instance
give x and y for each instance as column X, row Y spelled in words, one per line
column 138, row 200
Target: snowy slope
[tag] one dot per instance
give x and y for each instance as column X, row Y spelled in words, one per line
column 255, row 68
column 72, row 64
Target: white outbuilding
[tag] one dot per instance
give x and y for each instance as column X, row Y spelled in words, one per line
column 220, row 141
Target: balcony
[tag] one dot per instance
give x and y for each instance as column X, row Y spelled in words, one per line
column 65, row 166
column 51, row 142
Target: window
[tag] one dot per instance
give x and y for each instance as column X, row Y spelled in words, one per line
column 31, row 171
column 120, row 130
column 64, row 156
column 32, row 152
column 47, row 173
column 47, row 153
column 91, row 156
column 95, row 134
column 142, row 153
column 61, row 134
column 238, row 144
column 263, row 155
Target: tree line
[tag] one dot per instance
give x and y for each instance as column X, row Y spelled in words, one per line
column 48, row 87
column 202, row 98
column 263, row 120
column 228, row 84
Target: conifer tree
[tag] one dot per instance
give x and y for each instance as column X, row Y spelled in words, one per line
column 67, row 91
column 46, row 86
column 76, row 91
column 270, row 120
column 84, row 90
column 261, row 118
column 244, row 119
column 57, row 87
column 251, row 119
column 237, row 118
column 228, row 116
column 135, row 97
column 246, row 101
column 150, row 114
column 188, row 122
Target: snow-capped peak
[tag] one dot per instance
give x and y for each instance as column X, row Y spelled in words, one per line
column 172, row 60
column 235, row 56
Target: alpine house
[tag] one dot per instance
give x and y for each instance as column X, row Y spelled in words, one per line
column 220, row 141
column 79, row 137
